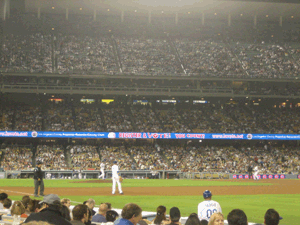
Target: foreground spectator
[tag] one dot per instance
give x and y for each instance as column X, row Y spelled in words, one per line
column 272, row 217
column 100, row 217
column 80, row 214
column 160, row 214
column 111, row 216
column 2, row 197
column 51, row 211
column 91, row 204
column 65, row 212
column 131, row 215
column 216, row 219
column 18, row 209
column 237, row 217
column 66, row 202
column 193, row 220
column 6, row 205
column 175, row 216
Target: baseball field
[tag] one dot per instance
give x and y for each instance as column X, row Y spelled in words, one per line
column 254, row 197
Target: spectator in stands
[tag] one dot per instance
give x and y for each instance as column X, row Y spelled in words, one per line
column 18, row 209
column 111, row 216
column 216, row 219
column 108, row 205
column 65, row 212
column 100, row 217
column 237, row 217
column 66, row 202
column 36, row 205
column 193, row 219
column 160, row 214
column 50, row 212
column 203, row 222
column 131, row 215
column 2, row 197
column 91, row 204
column 80, row 214
column 175, row 216
column 272, row 217
column 28, row 204
column 6, row 205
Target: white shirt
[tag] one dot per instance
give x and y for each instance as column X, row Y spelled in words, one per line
column 207, row 208
column 102, row 165
column 255, row 169
column 115, row 170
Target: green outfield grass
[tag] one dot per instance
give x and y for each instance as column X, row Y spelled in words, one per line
column 128, row 183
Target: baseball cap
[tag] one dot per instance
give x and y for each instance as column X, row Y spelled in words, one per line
column 50, row 199
column 115, row 162
column 174, row 214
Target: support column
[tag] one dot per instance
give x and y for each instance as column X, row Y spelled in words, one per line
column 149, row 17
column 203, row 19
column 67, row 13
column 280, row 21
column 229, row 20
column 122, row 16
column 176, row 18
column 4, row 10
column 95, row 15
column 255, row 21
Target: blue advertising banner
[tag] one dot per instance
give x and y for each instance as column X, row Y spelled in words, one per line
column 146, row 135
column 260, row 176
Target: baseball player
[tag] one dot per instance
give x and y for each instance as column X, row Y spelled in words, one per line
column 102, row 167
column 116, row 178
column 208, row 206
column 256, row 171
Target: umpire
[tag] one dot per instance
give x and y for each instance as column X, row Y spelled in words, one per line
column 38, row 180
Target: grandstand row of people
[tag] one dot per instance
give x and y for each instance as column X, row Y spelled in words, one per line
column 112, row 118
column 229, row 159
column 221, row 54
column 59, row 211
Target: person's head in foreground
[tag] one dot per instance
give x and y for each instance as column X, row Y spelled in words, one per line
column 132, row 212
column 175, row 214
column 272, row 217
column 216, row 219
column 160, row 214
column 193, row 220
column 111, row 215
column 81, row 213
column 237, row 217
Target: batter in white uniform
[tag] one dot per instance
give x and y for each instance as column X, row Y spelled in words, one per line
column 115, row 178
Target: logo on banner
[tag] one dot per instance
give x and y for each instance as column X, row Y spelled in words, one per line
column 282, row 176
column 298, row 176
column 276, row 176
column 111, row 135
column 270, row 176
column 240, row 176
column 249, row 136
column 34, row 134
column 264, row 176
column 258, row 176
column 234, row 176
column 246, row 176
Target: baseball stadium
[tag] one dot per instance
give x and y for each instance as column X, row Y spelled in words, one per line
column 193, row 105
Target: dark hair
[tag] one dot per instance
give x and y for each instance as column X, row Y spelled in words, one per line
column 237, row 217
column 108, row 205
column 203, row 222
column 160, row 214
column 193, row 220
column 111, row 215
column 17, row 208
column 27, row 202
column 271, row 217
column 79, row 211
column 36, row 205
column 65, row 212
column 3, row 196
column 7, row 203
column 130, row 210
